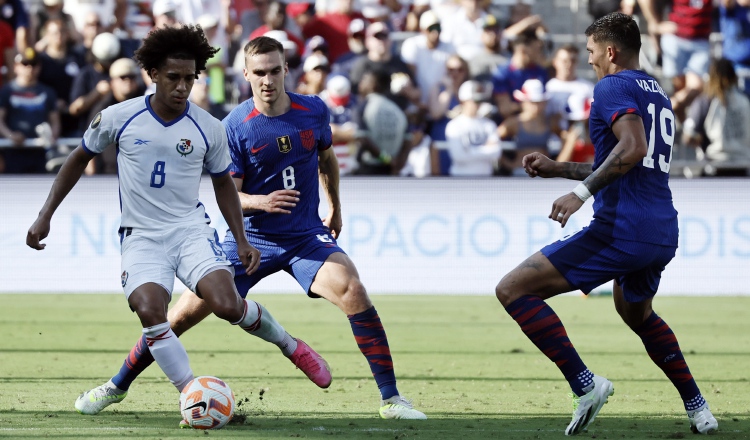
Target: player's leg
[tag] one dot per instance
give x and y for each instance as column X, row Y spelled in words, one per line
column 150, row 302
column 273, row 259
column 337, row 280
column 184, row 315
column 661, row 344
column 147, row 278
column 523, row 292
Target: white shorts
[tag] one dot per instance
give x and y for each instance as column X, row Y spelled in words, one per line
column 190, row 252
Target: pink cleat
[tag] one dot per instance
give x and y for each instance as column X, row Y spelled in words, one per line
column 312, row 364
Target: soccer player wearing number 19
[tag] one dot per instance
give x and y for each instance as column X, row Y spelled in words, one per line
column 630, row 240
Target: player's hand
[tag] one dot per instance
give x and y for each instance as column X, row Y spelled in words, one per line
column 38, row 232
column 564, row 207
column 281, row 201
column 249, row 256
column 537, row 164
column 334, row 223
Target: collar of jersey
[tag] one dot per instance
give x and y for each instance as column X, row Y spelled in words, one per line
column 162, row 121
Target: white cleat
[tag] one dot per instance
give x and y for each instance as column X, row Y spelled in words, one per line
column 94, row 401
column 702, row 421
column 397, row 407
column 586, row 407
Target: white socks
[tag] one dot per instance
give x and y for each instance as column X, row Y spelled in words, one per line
column 259, row 322
column 169, row 353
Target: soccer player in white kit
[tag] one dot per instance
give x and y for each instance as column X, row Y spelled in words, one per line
column 163, row 145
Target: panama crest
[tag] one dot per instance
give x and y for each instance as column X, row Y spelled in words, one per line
column 285, row 144
column 184, row 147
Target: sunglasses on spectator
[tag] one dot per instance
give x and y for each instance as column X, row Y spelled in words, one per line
column 320, row 68
column 128, row 77
column 434, row 28
column 455, row 69
column 381, row 36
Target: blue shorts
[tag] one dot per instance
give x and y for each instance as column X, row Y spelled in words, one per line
column 589, row 259
column 300, row 256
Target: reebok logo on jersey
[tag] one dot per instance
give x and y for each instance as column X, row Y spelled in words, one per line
column 285, row 144
column 141, row 142
column 256, row 150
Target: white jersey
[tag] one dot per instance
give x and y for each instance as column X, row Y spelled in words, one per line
column 160, row 163
column 473, row 145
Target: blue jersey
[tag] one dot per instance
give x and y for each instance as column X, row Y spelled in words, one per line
column 637, row 206
column 280, row 152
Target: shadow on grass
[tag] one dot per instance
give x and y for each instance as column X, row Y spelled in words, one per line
column 355, row 426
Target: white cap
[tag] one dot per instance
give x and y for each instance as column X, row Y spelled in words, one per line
column 427, row 19
column 373, row 9
column 53, row 2
column 313, row 61
column 105, row 46
column 339, row 86
column 579, row 107
column 162, row 7
column 473, row 90
column 282, row 38
column 122, row 67
column 531, row 91
column 207, row 21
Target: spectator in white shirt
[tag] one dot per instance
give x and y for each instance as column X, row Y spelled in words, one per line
column 426, row 55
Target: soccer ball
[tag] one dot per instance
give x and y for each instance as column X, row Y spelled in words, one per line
column 207, row 402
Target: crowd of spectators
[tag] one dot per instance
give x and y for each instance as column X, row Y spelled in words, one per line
column 414, row 87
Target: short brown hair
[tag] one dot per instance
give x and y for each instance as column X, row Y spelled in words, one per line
column 261, row 45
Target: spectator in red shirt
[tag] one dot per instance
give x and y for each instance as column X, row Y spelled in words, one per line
column 333, row 27
column 684, row 46
column 276, row 19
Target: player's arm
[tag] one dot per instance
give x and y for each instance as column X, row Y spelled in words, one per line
column 278, row 202
column 328, row 174
column 630, row 149
column 539, row 165
column 229, row 204
column 66, row 179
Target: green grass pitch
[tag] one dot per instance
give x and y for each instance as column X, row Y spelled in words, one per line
column 462, row 360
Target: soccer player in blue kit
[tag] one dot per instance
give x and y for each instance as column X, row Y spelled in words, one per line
column 630, row 240
column 280, row 147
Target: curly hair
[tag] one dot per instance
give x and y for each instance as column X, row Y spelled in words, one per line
column 186, row 42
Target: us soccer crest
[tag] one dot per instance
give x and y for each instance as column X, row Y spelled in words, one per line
column 285, row 144
column 185, row 147
column 308, row 139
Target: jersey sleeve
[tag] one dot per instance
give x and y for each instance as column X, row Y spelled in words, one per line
column 218, row 159
column 237, row 168
column 615, row 97
column 101, row 132
column 326, row 136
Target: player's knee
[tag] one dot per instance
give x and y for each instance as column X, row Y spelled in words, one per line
column 231, row 311
column 354, row 296
column 504, row 293
column 149, row 316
